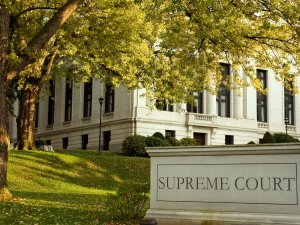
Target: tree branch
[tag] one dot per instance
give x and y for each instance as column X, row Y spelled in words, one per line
column 43, row 36
column 49, row 64
column 34, row 8
column 110, row 70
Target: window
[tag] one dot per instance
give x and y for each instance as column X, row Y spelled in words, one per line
column 289, row 106
column 170, row 134
column 87, row 99
column 164, row 105
column 106, row 139
column 37, row 111
column 48, row 142
column 262, row 98
column 109, row 99
column 197, row 105
column 84, row 141
column 65, row 142
column 51, row 102
column 223, row 96
column 68, row 100
column 229, row 140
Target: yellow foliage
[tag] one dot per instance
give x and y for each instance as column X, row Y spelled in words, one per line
column 169, row 47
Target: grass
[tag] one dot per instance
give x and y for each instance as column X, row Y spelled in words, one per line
column 66, row 187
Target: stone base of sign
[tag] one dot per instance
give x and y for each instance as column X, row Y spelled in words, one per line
column 178, row 217
column 225, row 185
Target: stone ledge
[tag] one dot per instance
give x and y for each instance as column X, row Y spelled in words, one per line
column 177, row 217
column 261, row 149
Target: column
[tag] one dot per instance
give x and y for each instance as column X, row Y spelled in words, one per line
column 249, row 100
column 238, row 107
column 237, row 104
column 211, row 104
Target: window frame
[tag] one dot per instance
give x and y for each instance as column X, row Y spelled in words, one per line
column 197, row 105
column 229, row 139
column 65, row 141
column 109, row 102
column 164, row 105
column 37, row 112
column 223, row 96
column 262, row 99
column 87, row 98
column 170, row 133
column 68, row 100
column 51, row 103
column 84, row 141
column 289, row 105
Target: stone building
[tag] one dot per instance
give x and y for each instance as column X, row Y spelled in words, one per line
column 69, row 114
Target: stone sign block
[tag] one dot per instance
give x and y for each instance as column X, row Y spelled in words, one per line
column 225, row 185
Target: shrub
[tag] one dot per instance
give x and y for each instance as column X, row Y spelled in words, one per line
column 188, row 142
column 159, row 135
column 173, row 141
column 152, row 141
column 129, row 202
column 251, row 143
column 283, row 138
column 134, row 145
column 268, row 138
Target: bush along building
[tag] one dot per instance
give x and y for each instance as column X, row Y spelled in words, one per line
column 68, row 114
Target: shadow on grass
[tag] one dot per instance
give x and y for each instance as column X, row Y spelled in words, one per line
column 66, row 187
column 81, row 168
column 54, row 209
column 77, row 200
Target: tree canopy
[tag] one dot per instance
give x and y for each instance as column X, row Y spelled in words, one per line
column 170, row 47
column 197, row 35
column 101, row 39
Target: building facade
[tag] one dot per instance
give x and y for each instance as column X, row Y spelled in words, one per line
column 69, row 114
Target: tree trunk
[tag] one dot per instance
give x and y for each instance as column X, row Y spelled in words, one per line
column 26, row 119
column 28, row 99
column 8, row 74
column 4, row 109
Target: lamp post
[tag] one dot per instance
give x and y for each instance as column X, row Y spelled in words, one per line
column 286, row 121
column 101, row 100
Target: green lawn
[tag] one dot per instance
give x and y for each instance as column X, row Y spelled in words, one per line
column 66, row 187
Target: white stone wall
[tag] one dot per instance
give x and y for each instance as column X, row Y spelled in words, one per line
column 132, row 115
column 117, row 122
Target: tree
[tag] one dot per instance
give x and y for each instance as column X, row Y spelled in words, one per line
column 28, row 97
column 11, row 66
column 111, row 40
column 198, row 35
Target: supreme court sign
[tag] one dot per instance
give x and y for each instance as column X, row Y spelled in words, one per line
column 225, row 184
